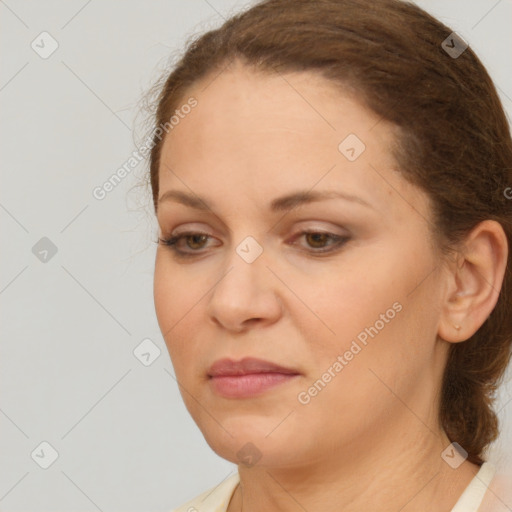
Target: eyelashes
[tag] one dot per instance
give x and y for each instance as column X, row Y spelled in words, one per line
column 197, row 237
column 172, row 242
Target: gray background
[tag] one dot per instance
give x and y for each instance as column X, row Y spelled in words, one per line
column 69, row 376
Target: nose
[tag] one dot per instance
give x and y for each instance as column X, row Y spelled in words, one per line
column 245, row 294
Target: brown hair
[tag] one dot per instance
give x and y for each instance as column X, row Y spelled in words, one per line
column 454, row 141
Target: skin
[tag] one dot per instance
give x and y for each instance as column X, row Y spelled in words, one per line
column 370, row 440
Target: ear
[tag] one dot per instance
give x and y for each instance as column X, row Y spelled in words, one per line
column 474, row 282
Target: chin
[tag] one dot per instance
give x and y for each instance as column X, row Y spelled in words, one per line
column 248, row 442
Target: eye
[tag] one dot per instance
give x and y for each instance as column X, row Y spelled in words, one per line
column 195, row 241
column 319, row 239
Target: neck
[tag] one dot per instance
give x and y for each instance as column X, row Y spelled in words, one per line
column 404, row 473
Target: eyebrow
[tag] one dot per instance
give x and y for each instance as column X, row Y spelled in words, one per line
column 283, row 203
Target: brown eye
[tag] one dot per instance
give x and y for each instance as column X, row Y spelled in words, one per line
column 317, row 240
column 320, row 240
column 196, row 239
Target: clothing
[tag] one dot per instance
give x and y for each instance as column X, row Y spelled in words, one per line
column 472, row 496
column 216, row 499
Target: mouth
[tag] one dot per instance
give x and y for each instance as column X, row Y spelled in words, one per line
column 246, row 366
column 247, row 377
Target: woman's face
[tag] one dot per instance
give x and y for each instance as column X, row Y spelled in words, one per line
column 353, row 311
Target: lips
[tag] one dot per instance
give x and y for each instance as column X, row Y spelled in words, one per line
column 248, row 378
column 246, row 366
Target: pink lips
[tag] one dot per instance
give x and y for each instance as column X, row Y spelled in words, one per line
column 247, row 377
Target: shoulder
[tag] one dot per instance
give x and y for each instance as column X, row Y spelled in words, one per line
column 498, row 496
column 215, row 499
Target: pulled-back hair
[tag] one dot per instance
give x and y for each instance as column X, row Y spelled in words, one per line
column 453, row 141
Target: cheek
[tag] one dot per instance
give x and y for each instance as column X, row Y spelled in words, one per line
column 175, row 292
column 348, row 299
column 164, row 294
column 180, row 302
column 369, row 301
column 174, row 302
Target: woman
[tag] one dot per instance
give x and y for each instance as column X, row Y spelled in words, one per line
column 333, row 275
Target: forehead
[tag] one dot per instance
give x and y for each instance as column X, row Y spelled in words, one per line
column 240, row 102
column 257, row 135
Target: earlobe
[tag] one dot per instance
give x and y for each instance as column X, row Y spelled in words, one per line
column 474, row 284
